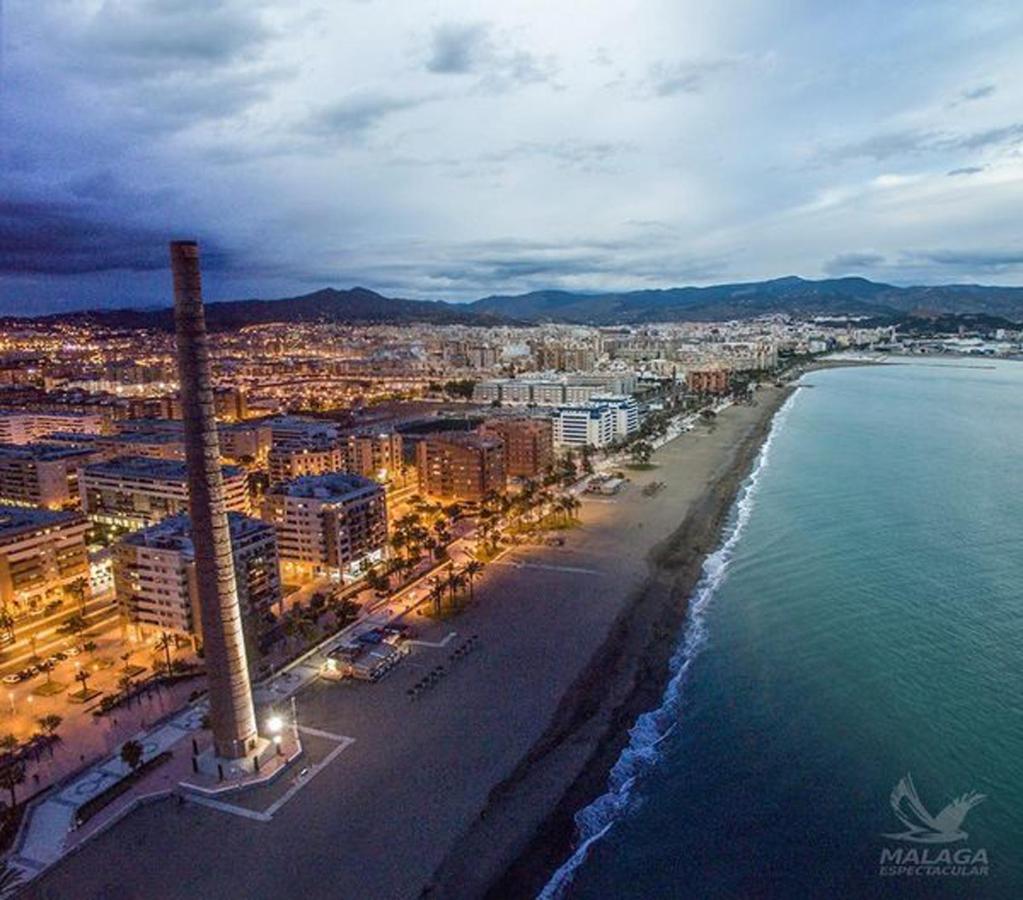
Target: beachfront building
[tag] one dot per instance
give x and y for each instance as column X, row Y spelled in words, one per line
column 42, row 552
column 528, row 444
column 707, row 381
column 135, row 492
column 624, row 412
column 155, row 577
column 26, row 427
column 41, row 474
column 589, row 425
column 332, row 525
column 459, row 465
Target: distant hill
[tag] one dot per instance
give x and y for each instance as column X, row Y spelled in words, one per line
column 790, row 296
column 357, row 305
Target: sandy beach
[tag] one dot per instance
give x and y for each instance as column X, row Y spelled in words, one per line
column 470, row 789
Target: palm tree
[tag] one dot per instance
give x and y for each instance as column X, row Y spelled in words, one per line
column 74, row 625
column 7, row 625
column 10, row 880
column 49, row 723
column 11, row 775
column 471, row 571
column 79, row 591
column 164, row 643
column 456, row 581
column 131, row 754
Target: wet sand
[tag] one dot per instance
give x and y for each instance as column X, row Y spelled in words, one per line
column 472, row 787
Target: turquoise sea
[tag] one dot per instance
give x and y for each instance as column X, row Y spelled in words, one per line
column 862, row 623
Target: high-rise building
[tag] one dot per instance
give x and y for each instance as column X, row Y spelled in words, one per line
column 333, row 525
column 461, row 465
column 528, row 444
column 157, row 587
column 624, row 409
column 591, row 425
column 135, row 491
column 232, row 711
column 41, row 553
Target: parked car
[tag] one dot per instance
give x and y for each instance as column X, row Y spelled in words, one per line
column 13, row 678
column 61, row 655
column 33, row 671
column 72, row 651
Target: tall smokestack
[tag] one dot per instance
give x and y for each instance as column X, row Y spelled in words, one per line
column 232, row 714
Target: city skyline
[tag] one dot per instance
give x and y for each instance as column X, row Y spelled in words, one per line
column 740, row 143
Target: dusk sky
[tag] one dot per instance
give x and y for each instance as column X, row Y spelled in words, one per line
column 451, row 150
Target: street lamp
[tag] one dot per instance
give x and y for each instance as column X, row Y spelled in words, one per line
column 274, row 724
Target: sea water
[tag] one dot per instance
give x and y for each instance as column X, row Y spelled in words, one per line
column 856, row 640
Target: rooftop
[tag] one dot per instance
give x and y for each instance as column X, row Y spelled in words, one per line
column 466, row 439
column 175, row 532
column 40, row 451
column 145, row 467
column 331, row 486
column 25, row 518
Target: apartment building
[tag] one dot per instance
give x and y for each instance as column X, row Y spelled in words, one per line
column 707, row 381
column 528, row 444
column 135, row 492
column 331, row 525
column 26, row 427
column 624, row 409
column 318, row 457
column 376, row 455
column 41, row 474
column 590, row 425
column 461, row 465
column 155, row 578
column 41, row 553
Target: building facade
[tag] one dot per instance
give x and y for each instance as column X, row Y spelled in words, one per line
column 155, row 577
column 592, row 425
column 461, row 465
column 41, row 553
column 331, row 525
column 528, row 444
column 135, row 492
column 17, row 427
column 41, row 474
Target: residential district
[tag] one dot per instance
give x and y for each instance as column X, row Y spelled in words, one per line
column 357, row 464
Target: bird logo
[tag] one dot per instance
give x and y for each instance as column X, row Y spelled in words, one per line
column 921, row 826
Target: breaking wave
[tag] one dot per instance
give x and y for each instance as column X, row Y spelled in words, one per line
column 593, row 822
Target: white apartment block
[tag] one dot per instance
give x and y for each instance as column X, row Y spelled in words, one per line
column 625, row 409
column 584, row 426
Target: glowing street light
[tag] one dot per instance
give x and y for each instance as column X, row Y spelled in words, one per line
column 274, row 725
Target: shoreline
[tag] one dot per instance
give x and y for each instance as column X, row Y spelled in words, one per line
column 511, row 851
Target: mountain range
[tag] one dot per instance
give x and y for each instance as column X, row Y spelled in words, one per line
column 791, row 295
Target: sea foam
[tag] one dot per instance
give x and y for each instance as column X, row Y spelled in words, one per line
column 593, row 822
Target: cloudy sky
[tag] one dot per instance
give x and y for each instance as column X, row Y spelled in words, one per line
column 455, row 149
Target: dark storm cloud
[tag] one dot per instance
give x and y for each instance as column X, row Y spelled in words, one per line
column 852, row 263
column 150, row 37
column 61, row 239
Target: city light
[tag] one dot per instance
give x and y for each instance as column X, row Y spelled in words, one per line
column 274, row 724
